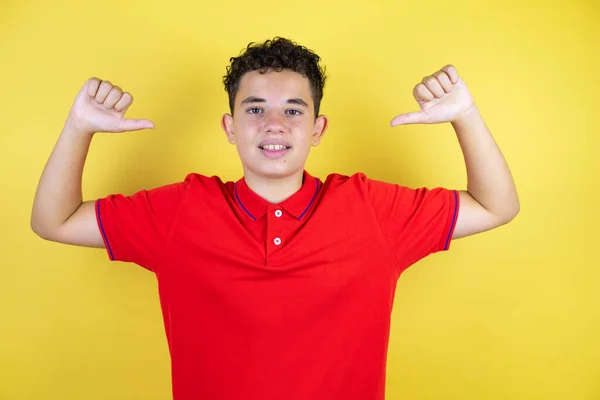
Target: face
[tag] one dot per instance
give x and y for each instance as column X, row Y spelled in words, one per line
column 273, row 126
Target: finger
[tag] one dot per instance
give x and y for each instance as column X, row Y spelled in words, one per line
column 127, row 125
column 103, row 91
column 417, row 117
column 444, row 81
column 422, row 93
column 92, row 86
column 124, row 102
column 432, row 84
column 450, row 70
column 113, row 97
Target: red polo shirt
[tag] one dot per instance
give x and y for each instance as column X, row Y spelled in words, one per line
column 278, row 301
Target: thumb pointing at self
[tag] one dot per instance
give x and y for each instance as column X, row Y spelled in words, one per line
column 417, row 117
column 133, row 124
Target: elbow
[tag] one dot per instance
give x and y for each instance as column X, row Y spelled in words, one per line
column 38, row 228
column 36, row 222
column 515, row 209
column 509, row 208
column 33, row 224
column 512, row 215
column 509, row 213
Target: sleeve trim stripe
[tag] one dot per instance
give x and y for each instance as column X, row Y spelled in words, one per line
column 453, row 224
column 110, row 253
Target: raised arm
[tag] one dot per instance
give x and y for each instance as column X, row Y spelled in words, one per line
column 59, row 213
column 491, row 197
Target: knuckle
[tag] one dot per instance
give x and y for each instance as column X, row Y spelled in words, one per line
column 450, row 70
column 428, row 80
column 420, row 90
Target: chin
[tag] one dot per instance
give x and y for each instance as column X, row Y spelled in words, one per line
column 274, row 170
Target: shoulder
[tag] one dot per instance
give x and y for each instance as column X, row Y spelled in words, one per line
column 207, row 188
column 356, row 188
column 335, row 180
column 175, row 190
column 194, row 180
column 358, row 181
column 381, row 192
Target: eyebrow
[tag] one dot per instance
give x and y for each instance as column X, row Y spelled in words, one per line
column 297, row 101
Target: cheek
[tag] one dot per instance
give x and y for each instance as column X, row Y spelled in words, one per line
column 302, row 123
column 244, row 134
column 307, row 132
column 302, row 126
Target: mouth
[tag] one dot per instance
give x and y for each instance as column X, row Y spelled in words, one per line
column 274, row 150
column 274, row 147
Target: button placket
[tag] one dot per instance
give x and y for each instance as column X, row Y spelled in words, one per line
column 274, row 230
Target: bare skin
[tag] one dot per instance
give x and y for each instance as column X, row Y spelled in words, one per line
column 273, row 128
column 59, row 213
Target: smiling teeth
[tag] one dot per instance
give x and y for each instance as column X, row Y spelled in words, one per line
column 274, row 147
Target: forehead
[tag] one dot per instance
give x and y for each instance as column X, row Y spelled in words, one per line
column 271, row 85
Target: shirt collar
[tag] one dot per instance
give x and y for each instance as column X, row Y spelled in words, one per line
column 297, row 204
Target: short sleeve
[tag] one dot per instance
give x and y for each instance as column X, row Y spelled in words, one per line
column 415, row 222
column 134, row 227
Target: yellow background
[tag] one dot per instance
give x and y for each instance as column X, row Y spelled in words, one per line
column 509, row 314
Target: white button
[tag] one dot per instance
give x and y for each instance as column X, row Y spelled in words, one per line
column 278, row 213
column 277, row 241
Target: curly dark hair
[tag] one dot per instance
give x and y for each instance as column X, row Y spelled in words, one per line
column 276, row 54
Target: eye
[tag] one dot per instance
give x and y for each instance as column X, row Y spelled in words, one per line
column 297, row 112
column 254, row 110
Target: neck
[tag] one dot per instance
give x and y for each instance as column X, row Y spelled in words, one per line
column 274, row 190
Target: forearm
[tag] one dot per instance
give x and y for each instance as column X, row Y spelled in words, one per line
column 59, row 191
column 489, row 180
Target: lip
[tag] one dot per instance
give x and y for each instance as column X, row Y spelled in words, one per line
column 274, row 153
column 274, row 141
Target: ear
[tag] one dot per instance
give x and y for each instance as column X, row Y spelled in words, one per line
column 321, row 124
column 227, row 125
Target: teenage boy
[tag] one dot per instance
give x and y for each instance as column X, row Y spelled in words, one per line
column 279, row 285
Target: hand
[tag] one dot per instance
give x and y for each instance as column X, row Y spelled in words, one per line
column 100, row 107
column 443, row 97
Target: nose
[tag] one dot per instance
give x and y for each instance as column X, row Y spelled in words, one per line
column 275, row 123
